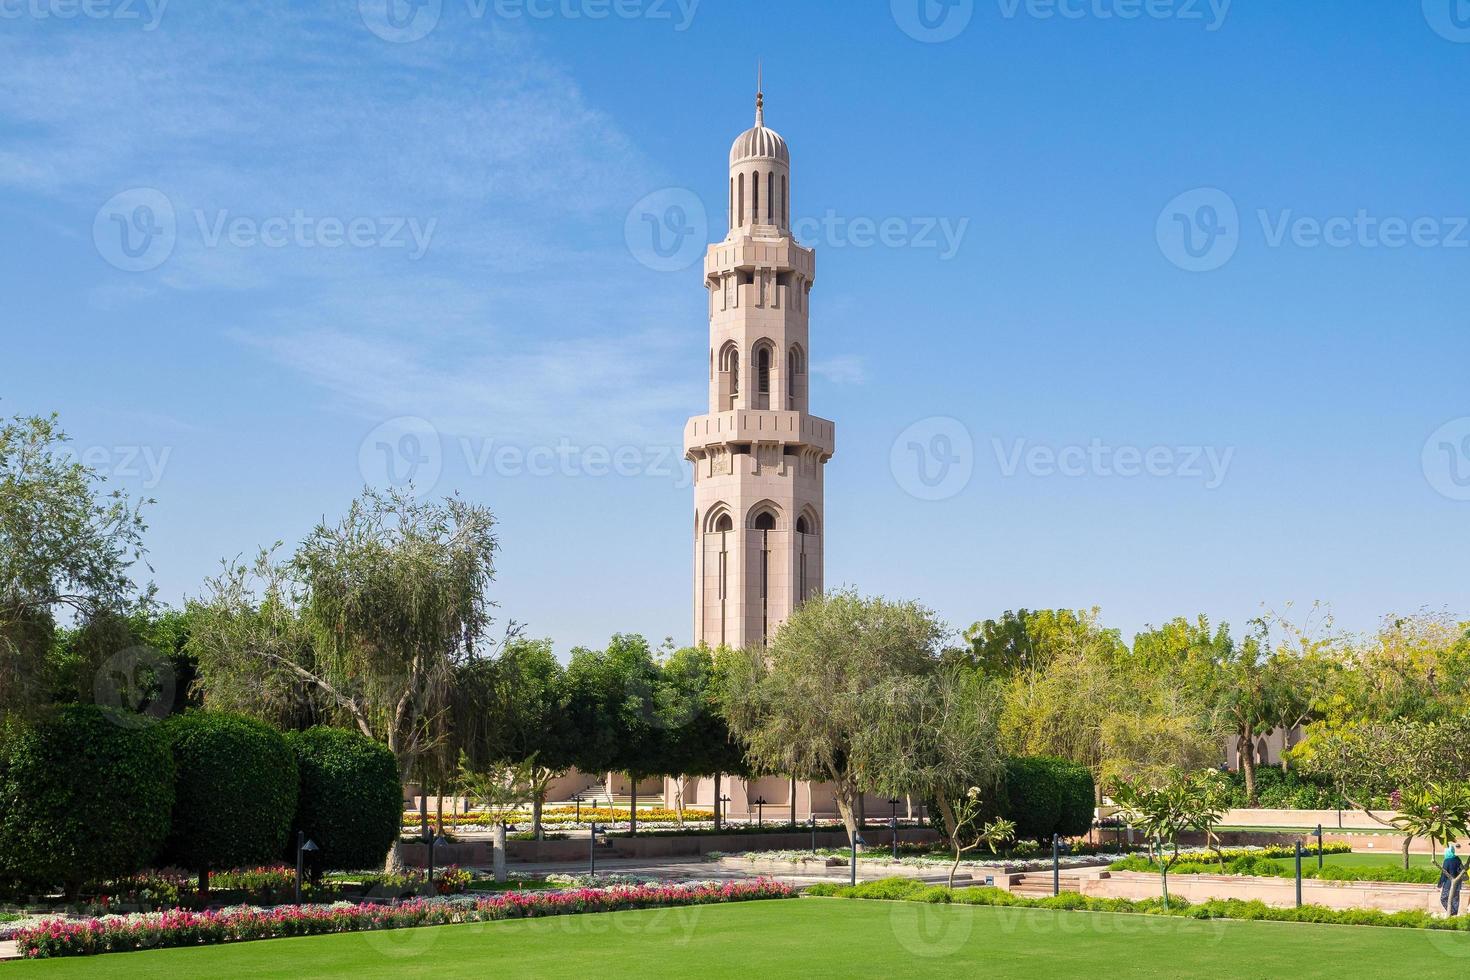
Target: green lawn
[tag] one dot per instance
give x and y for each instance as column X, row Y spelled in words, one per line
column 817, row 937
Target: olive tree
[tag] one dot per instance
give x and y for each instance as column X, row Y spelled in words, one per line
column 810, row 702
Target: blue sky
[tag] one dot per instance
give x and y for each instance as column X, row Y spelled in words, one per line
column 1168, row 313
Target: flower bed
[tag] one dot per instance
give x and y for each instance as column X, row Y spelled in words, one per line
column 180, row 928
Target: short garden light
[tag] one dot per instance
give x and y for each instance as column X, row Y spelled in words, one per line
column 303, row 848
column 893, row 824
column 1318, row 834
column 725, row 800
column 760, row 811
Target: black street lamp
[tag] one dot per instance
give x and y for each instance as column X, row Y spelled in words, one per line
column 760, row 812
column 433, row 842
column 722, row 803
column 592, row 850
column 1318, row 834
column 1056, row 864
column 578, row 799
column 303, row 848
column 814, row 833
column 893, row 824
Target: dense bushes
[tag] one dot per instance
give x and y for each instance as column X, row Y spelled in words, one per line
column 85, row 794
column 350, row 801
column 1276, row 790
column 234, row 792
column 1046, row 796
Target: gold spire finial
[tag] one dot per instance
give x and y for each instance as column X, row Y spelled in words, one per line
column 760, row 98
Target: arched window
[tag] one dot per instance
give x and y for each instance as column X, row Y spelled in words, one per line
column 755, row 196
column 729, row 377
column 801, row 525
column 763, row 370
column 770, row 196
column 795, row 376
column 765, row 521
column 740, row 193
column 723, row 523
column 785, row 204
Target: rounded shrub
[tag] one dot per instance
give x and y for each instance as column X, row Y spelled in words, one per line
column 234, row 793
column 350, row 802
column 85, row 795
column 1046, row 796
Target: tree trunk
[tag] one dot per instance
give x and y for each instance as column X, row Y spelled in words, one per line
column 1165, row 869
column 536, row 804
column 633, row 805
column 439, row 812
column 718, row 814
column 1408, row 842
column 793, row 799
column 679, row 800
column 499, row 859
column 1248, row 765
column 845, row 811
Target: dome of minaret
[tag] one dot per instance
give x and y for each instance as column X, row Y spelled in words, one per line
column 758, row 142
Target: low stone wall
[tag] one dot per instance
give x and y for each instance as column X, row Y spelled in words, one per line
column 1279, row 892
column 477, row 853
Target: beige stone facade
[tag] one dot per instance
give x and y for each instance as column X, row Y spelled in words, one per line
column 758, row 454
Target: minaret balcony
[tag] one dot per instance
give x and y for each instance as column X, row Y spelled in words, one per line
column 747, row 253
column 749, row 425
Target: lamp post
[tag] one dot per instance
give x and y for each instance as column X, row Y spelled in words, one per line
column 722, row 803
column 760, row 812
column 578, row 800
column 1298, row 872
column 433, row 842
column 814, row 833
column 1318, row 832
column 303, row 848
column 592, row 850
column 893, row 824
column 1056, row 864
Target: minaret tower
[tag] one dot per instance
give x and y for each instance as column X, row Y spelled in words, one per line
column 758, row 455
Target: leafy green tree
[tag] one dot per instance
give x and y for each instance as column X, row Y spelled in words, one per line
column 809, row 702
column 1164, row 810
column 697, row 740
column 375, row 618
column 1438, row 811
column 614, row 706
column 66, row 546
column 500, row 788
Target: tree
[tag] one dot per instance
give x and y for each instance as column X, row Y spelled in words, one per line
column 934, row 736
column 349, row 802
column 235, row 792
column 614, row 707
column 65, row 545
column 500, row 788
column 697, row 741
column 375, row 618
column 1438, row 811
column 805, row 703
column 1163, row 811
column 85, row 796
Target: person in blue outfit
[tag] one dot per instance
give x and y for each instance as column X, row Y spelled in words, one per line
column 1449, row 881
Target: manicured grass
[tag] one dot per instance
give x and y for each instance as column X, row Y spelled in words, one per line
column 822, row 937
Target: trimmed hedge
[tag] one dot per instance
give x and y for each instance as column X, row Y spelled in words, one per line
column 910, row 890
column 85, row 794
column 234, row 793
column 349, row 802
column 1046, row 796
